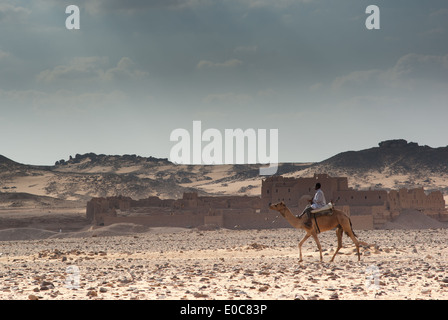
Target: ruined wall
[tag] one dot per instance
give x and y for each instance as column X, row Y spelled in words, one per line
column 382, row 205
column 291, row 190
column 182, row 221
column 362, row 222
column 97, row 208
column 361, row 219
column 230, row 220
column 278, row 188
column 368, row 208
column 152, row 202
column 361, row 198
column 191, row 209
column 416, row 199
column 217, row 220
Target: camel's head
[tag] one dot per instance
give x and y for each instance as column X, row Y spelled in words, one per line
column 278, row 207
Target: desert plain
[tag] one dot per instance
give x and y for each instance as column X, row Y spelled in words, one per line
column 133, row 262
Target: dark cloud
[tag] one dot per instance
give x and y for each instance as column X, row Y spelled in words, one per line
column 226, row 62
column 134, row 6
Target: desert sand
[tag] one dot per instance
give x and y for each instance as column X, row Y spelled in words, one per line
column 127, row 262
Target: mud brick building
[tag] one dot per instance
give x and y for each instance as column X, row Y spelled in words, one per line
column 368, row 209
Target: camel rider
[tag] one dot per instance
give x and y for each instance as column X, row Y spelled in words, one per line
column 317, row 202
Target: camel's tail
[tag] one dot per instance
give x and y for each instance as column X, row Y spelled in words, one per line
column 351, row 226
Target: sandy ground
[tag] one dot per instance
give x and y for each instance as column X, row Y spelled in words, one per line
column 173, row 263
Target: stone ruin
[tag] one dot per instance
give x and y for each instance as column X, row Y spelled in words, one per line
column 369, row 209
column 190, row 211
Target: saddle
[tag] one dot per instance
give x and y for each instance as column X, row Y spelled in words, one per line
column 324, row 211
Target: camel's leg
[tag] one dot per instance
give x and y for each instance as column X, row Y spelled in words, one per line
column 318, row 244
column 339, row 232
column 355, row 241
column 350, row 233
column 300, row 245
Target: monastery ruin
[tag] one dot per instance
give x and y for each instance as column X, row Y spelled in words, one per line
column 369, row 209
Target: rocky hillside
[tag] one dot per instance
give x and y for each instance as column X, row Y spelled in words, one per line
column 393, row 157
column 90, row 175
column 393, row 164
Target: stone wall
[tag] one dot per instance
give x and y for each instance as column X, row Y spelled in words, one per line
column 290, row 190
column 190, row 210
column 415, row 199
column 368, row 208
column 362, row 222
column 97, row 208
column 380, row 204
column 182, row 221
column 229, row 220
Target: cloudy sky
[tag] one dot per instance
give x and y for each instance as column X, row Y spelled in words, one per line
column 138, row 69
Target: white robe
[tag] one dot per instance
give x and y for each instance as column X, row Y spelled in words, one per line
column 318, row 200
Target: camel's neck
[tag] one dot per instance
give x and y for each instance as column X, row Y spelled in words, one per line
column 293, row 220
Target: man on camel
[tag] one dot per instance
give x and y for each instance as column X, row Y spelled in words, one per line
column 316, row 203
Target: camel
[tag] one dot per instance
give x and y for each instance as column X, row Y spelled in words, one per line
column 337, row 220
